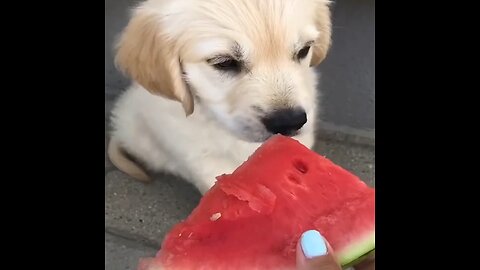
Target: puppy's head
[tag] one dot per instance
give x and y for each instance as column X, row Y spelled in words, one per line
column 246, row 63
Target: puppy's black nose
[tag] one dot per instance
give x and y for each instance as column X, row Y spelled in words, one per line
column 285, row 121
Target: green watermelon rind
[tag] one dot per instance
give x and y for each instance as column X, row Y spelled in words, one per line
column 355, row 262
column 358, row 251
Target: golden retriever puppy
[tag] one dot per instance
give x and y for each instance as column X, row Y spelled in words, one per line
column 212, row 80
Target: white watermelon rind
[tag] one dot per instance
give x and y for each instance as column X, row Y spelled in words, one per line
column 357, row 251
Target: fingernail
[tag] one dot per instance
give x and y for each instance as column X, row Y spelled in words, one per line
column 313, row 244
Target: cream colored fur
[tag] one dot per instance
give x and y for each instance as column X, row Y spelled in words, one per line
column 183, row 116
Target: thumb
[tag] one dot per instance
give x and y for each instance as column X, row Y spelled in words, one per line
column 314, row 253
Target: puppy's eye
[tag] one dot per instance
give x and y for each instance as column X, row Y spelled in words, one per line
column 303, row 52
column 228, row 65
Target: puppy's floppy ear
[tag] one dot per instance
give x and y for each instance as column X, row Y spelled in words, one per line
column 149, row 57
column 324, row 26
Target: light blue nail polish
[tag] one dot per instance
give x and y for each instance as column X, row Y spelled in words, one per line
column 313, row 244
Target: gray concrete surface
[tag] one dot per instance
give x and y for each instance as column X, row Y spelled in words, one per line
column 116, row 17
column 145, row 212
column 348, row 73
column 123, row 254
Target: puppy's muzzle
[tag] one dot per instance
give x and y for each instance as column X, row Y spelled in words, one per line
column 285, row 121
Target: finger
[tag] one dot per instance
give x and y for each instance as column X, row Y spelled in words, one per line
column 366, row 264
column 313, row 253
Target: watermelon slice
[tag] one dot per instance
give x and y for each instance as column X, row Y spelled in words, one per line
column 253, row 218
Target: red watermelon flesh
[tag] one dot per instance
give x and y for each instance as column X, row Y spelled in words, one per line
column 253, row 218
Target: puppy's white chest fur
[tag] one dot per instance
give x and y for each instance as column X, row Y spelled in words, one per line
column 156, row 131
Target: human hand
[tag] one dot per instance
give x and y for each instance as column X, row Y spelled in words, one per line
column 314, row 253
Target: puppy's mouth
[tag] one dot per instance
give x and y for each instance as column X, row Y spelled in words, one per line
column 261, row 125
column 253, row 133
column 257, row 133
column 257, row 126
